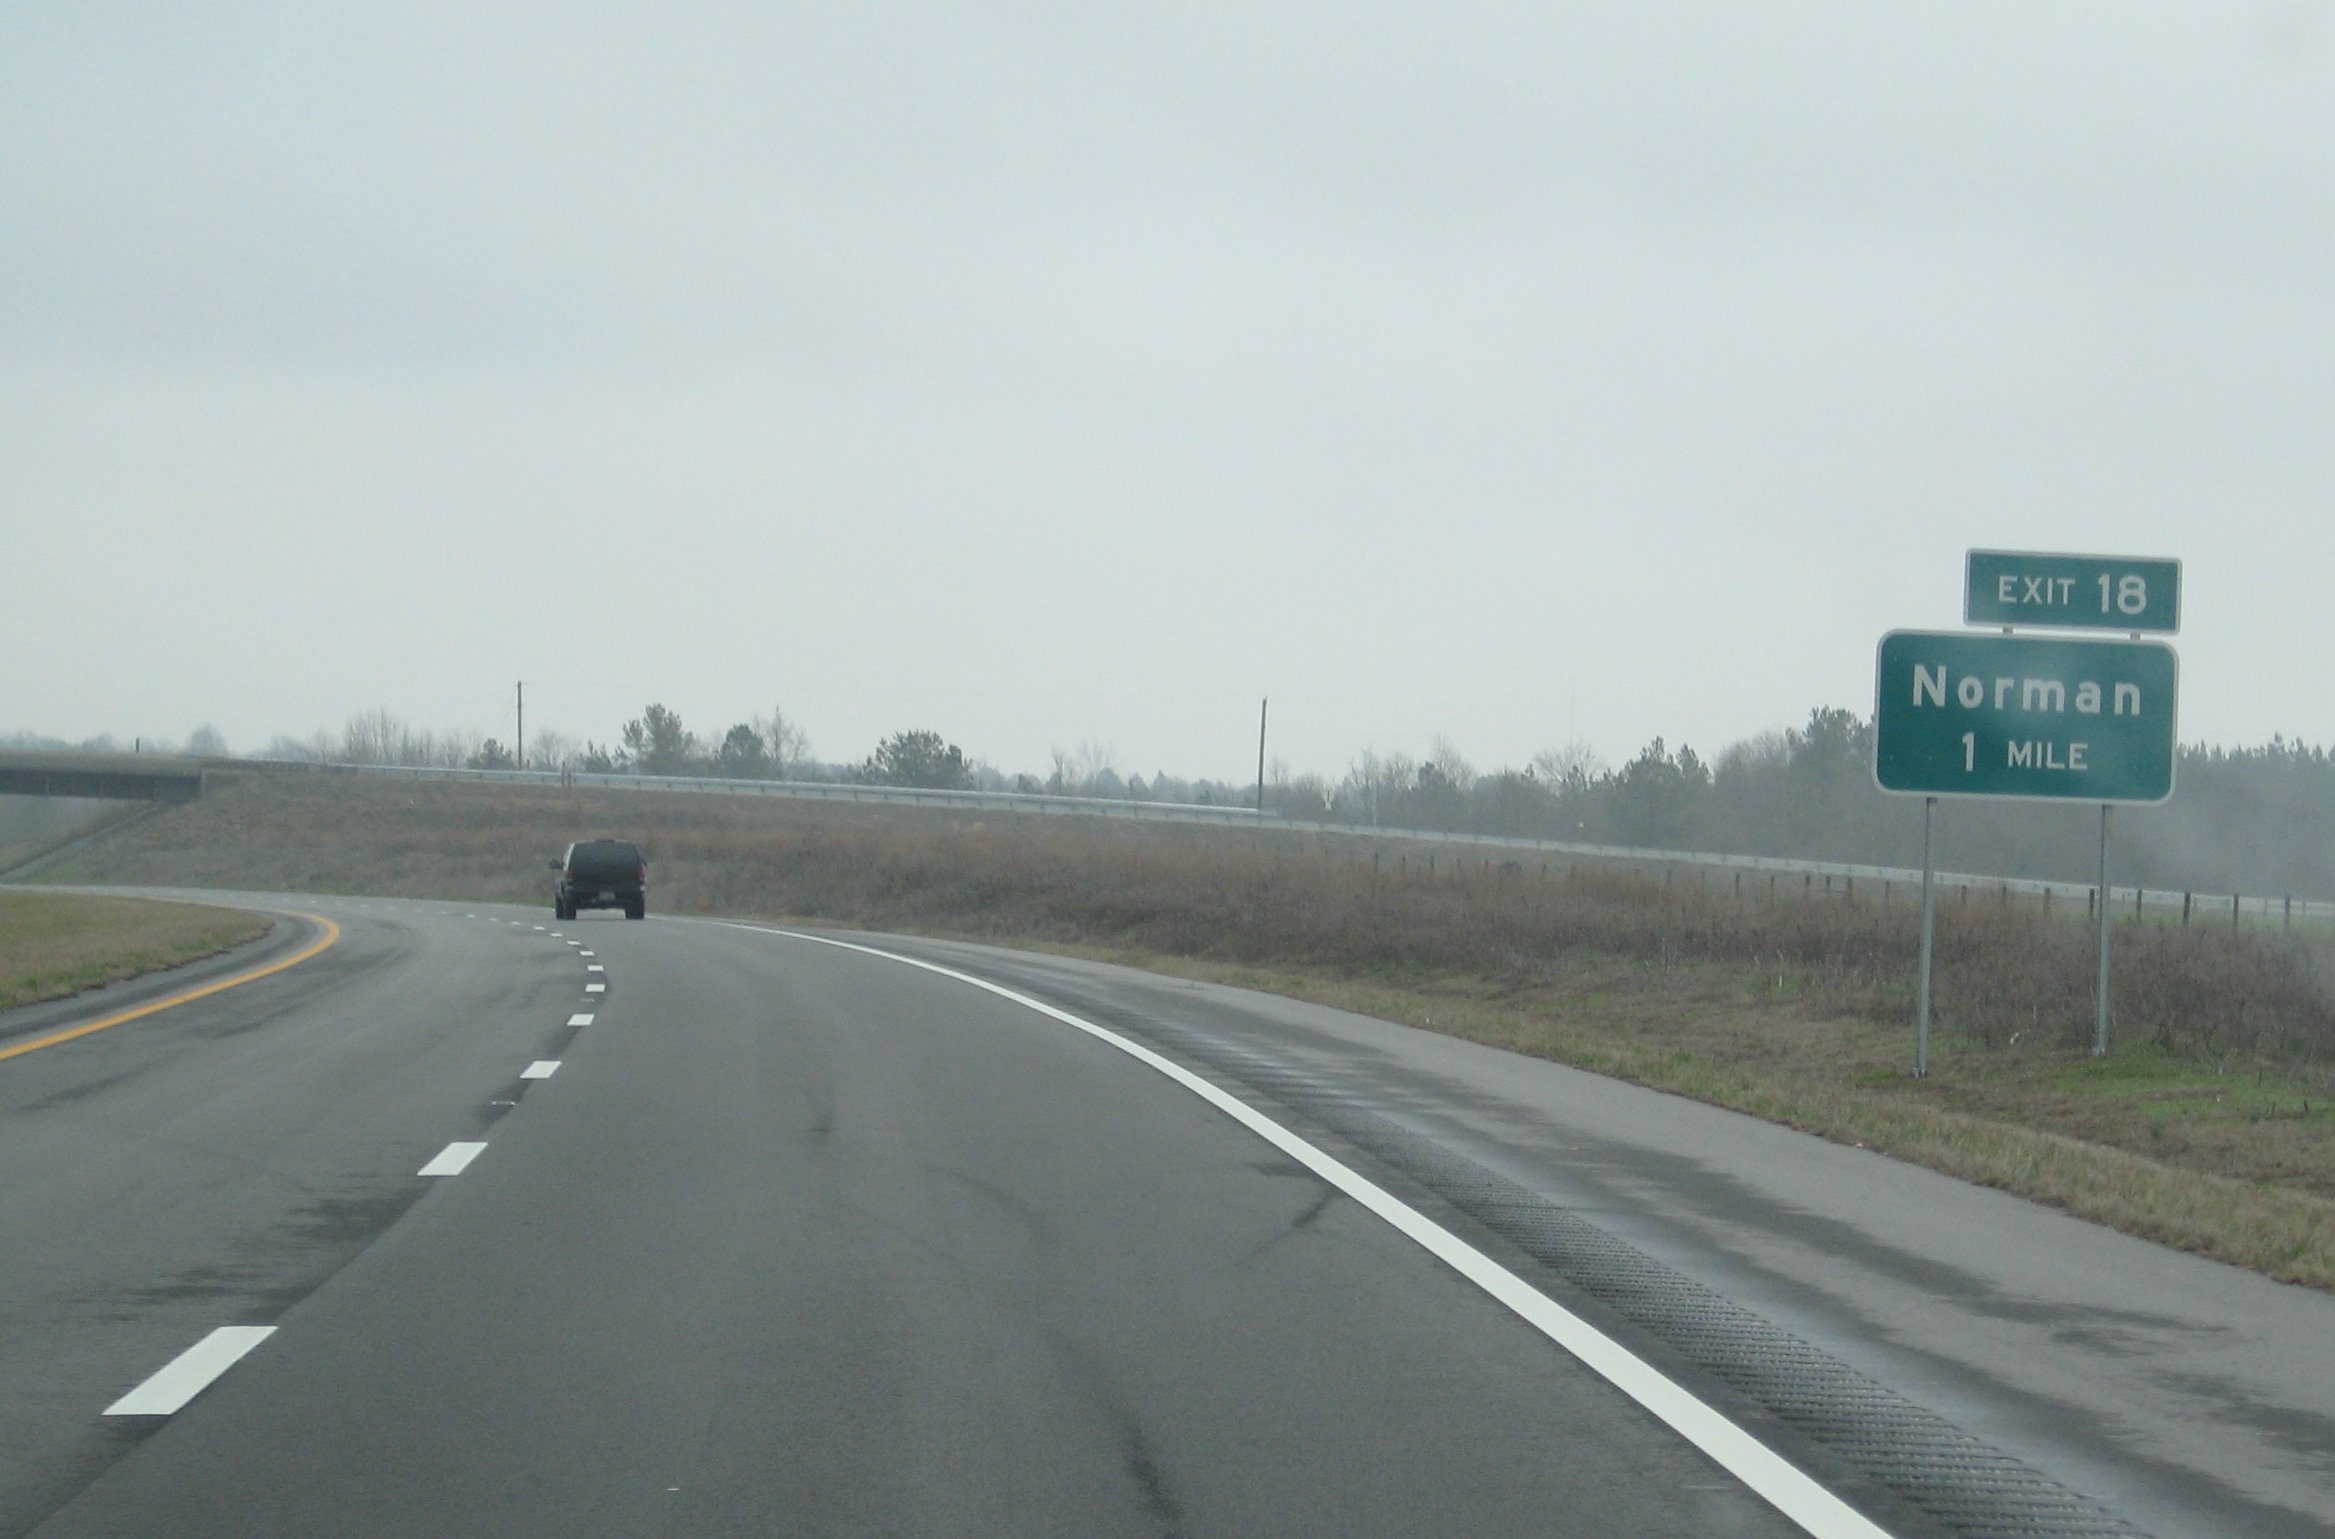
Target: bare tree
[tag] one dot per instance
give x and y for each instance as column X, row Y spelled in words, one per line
column 1097, row 759
column 1365, row 791
column 380, row 736
column 1571, row 767
column 552, row 751
column 790, row 748
column 445, row 750
column 370, row 737
column 1090, row 769
column 1447, row 761
column 1085, row 770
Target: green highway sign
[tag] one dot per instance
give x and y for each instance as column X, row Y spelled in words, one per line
column 2094, row 593
column 2059, row 718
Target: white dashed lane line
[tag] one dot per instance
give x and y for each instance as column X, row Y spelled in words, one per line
column 594, row 967
column 191, row 1372
column 452, row 1160
column 194, row 1370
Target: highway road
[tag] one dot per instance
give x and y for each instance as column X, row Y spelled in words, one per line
column 472, row 1222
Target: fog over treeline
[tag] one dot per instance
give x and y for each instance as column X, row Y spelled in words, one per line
column 2251, row 820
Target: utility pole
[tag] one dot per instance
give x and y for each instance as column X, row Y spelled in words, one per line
column 519, row 749
column 1261, row 705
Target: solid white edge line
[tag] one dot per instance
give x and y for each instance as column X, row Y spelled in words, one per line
column 1772, row 1477
column 191, row 1372
column 541, row 1068
column 579, row 1019
column 452, row 1160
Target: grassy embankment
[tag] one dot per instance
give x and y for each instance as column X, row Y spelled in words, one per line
column 33, row 826
column 56, row 944
column 2212, row 1127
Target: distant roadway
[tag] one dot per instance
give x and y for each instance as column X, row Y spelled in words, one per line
column 476, row 1223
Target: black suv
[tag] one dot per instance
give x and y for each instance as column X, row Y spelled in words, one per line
column 601, row 873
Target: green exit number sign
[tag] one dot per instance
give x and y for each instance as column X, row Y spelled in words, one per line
column 2060, row 718
column 2095, row 593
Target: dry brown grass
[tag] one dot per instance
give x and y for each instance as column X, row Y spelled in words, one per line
column 2253, row 1193
column 57, row 944
column 2211, row 1128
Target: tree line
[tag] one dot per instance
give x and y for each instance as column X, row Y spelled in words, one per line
column 2251, row 820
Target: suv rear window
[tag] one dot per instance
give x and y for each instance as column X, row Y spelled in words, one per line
column 605, row 857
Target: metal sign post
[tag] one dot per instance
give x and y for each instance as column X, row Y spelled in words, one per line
column 2100, row 994
column 1921, row 1031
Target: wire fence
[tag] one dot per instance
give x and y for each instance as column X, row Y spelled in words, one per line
column 1847, row 880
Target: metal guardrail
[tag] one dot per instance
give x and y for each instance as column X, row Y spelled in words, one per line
column 821, row 790
column 2127, row 898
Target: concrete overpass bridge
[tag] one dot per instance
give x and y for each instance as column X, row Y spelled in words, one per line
column 145, row 777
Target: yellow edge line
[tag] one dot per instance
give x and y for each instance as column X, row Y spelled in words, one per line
column 332, row 932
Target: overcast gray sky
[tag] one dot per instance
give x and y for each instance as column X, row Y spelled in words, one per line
column 1043, row 374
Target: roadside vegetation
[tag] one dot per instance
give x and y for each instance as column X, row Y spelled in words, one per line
column 57, row 944
column 1804, row 793
column 2211, row 1127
